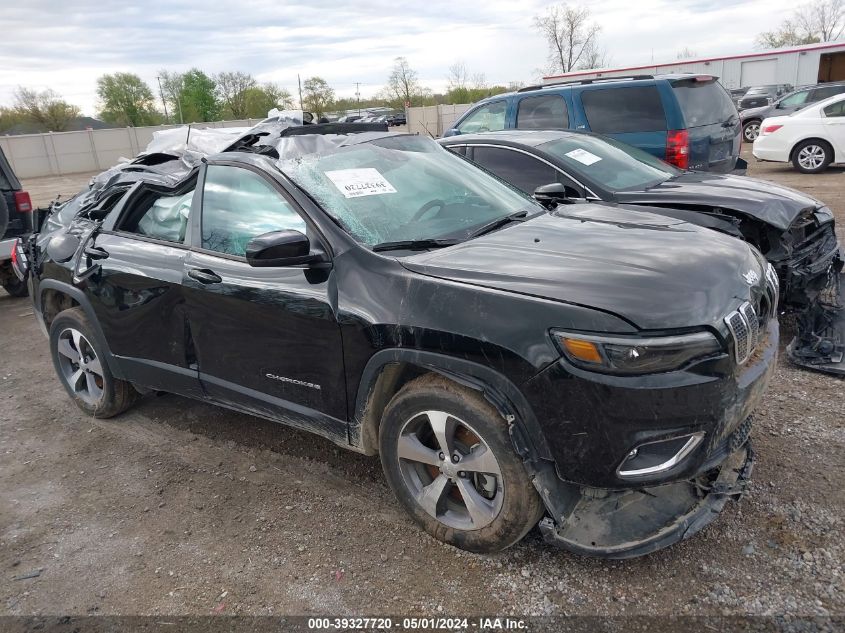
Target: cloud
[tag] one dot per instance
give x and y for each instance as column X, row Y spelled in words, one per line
column 65, row 45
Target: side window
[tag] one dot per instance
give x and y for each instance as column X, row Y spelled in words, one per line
column 523, row 172
column 548, row 112
column 158, row 216
column 237, row 205
column 488, row 118
column 796, row 99
column 828, row 91
column 619, row 110
column 835, row 109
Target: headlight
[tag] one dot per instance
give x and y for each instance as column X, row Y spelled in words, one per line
column 630, row 355
column 823, row 215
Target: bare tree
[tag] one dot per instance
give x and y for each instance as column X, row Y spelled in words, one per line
column 569, row 33
column 403, row 85
column 45, row 108
column 458, row 77
column 824, row 19
column 817, row 21
column 595, row 56
column 686, row 53
column 232, row 90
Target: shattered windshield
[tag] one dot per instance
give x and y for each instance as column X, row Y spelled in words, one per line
column 610, row 164
column 399, row 188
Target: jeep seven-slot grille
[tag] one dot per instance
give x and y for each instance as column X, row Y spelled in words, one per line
column 747, row 322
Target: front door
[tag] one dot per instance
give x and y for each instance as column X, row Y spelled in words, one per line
column 267, row 339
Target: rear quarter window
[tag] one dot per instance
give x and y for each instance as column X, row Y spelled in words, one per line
column 703, row 102
column 620, row 110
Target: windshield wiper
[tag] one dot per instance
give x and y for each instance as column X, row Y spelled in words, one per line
column 414, row 245
column 498, row 223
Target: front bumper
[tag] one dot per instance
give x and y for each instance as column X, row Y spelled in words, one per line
column 629, row 523
column 591, row 421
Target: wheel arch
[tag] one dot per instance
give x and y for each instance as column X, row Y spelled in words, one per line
column 55, row 296
column 817, row 139
column 389, row 370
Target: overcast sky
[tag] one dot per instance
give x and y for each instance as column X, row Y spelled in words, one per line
column 66, row 44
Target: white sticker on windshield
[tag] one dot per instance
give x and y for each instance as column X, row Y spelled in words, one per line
column 354, row 183
column 583, row 156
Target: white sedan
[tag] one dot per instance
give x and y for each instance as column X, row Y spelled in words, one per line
column 811, row 138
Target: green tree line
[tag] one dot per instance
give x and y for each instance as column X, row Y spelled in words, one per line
column 193, row 96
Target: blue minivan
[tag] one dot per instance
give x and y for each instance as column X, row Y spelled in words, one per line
column 687, row 120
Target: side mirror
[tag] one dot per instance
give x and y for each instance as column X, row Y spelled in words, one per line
column 281, row 248
column 452, row 132
column 553, row 194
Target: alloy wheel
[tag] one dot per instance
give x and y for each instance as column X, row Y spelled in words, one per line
column 811, row 157
column 80, row 367
column 752, row 131
column 450, row 470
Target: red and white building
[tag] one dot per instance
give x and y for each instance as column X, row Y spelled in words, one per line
column 795, row 65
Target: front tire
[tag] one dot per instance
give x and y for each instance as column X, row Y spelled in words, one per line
column 82, row 369
column 812, row 157
column 448, row 457
column 750, row 131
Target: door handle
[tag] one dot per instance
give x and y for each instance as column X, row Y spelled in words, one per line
column 204, row 276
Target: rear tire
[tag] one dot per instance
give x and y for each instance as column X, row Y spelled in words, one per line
column 15, row 286
column 483, row 468
column 80, row 363
column 812, row 156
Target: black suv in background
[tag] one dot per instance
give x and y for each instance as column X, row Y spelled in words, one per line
column 592, row 364
column 757, row 96
column 17, row 219
column 787, row 104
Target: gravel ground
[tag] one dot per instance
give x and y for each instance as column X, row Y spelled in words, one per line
column 177, row 507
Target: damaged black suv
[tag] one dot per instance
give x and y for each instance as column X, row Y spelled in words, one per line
column 594, row 370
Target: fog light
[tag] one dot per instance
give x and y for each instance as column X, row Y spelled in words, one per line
column 657, row 457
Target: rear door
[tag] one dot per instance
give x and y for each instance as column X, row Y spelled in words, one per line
column 712, row 123
column 542, row 112
column 137, row 291
column 825, row 92
column 267, row 339
column 634, row 114
column 521, row 169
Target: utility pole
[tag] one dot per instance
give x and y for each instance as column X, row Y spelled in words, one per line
column 163, row 102
column 298, row 81
column 358, row 95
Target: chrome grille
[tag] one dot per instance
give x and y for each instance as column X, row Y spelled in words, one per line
column 773, row 287
column 750, row 315
column 748, row 322
column 738, row 325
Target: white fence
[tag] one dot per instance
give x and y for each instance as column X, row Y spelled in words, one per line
column 60, row 153
column 434, row 120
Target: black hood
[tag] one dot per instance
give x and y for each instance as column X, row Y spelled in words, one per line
column 759, row 199
column 759, row 112
column 654, row 271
